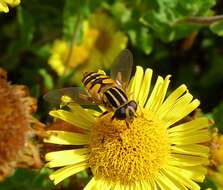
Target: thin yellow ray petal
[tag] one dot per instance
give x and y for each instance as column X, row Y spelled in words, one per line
column 187, row 160
column 161, row 94
column 153, row 97
column 93, row 112
column 81, row 112
column 194, row 125
column 196, row 173
column 202, row 136
column 72, row 118
column 183, row 178
column 164, row 183
column 101, row 184
column 66, row 138
column 90, row 184
column 153, row 184
column 173, row 179
column 181, row 109
column 145, row 185
column 171, row 99
column 65, row 172
column 138, row 82
column 195, row 149
column 144, row 91
column 66, row 157
column 176, row 108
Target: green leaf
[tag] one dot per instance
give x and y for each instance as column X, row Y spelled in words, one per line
column 142, row 38
column 217, row 28
column 47, row 78
column 26, row 180
column 208, row 183
column 163, row 19
column 26, row 26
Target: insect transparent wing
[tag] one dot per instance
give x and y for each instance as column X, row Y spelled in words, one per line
column 122, row 67
column 77, row 94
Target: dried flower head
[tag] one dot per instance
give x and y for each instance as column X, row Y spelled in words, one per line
column 16, row 148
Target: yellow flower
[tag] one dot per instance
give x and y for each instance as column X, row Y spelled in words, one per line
column 62, row 58
column 101, row 43
column 155, row 151
column 104, row 40
column 215, row 170
column 4, row 4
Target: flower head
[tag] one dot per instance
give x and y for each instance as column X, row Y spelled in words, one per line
column 16, row 148
column 101, row 43
column 104, row 40
column 155, row 151
column 215, row 169
column 5, row 3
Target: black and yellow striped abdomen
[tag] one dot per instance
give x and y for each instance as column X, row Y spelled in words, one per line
column 105, row 90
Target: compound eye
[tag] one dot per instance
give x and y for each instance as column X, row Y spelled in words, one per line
column 122, row 111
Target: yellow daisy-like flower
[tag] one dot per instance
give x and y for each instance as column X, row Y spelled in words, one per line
column 101, row 43
column 59, row 59
column 5, row 3
column 155, row 152
column 215, row 170
column 103, row 38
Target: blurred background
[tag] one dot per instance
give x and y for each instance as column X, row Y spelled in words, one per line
column 46, row 44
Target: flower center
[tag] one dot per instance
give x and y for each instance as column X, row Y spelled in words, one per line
column 128, row 153
column 103, row 41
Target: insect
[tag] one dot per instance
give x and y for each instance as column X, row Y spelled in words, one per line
column 101, row 89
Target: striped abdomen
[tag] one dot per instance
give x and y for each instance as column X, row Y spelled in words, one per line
column 96, row 83
column 114, row 97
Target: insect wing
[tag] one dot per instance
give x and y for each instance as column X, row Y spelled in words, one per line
column 77, row 94
column 122, row 68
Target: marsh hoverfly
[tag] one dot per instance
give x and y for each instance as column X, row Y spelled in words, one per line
column 101, row 89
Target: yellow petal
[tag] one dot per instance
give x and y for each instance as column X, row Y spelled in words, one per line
column 180, row 109
column 72, row 118
column 137, row 82
column 187, row 174
column 154, row 95
column 4, row 7
column 171, row 100
column 153, row 184
column 194, row 125
column 173, row 179
column 202, row 136
column 81, row 113
column 161, row 94
column 165, row 184
column 90, row 185
column 183, row 178
column 66, row 138
column 65, row 172
column 102, row 184
column 187, row 160
column 195, row 149
column 144, row 91
column 66, row 157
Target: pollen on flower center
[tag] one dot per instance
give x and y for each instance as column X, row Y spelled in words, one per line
column 128, row 154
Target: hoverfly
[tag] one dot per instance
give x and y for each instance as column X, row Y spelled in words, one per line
column 101, row 89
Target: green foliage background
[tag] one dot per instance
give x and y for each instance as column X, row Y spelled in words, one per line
column 156, row 30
